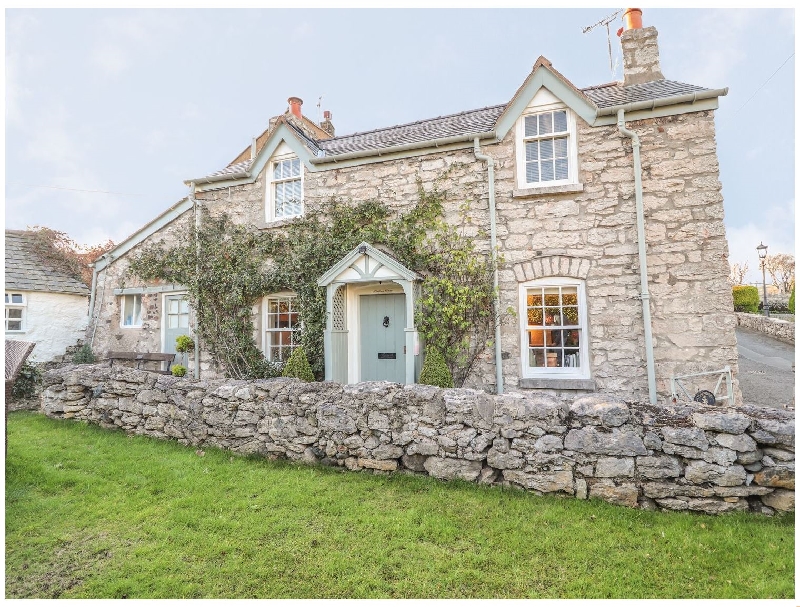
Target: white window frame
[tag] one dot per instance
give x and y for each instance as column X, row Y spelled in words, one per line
column 22, row 306
column 572, row 147
column 271, row 183
column 267, row 331
column 580, row 372
column 122, row 323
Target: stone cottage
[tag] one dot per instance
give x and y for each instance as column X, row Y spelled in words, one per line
column 44, row 304
column 604, row 204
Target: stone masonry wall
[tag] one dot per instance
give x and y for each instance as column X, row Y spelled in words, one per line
column 776, row 327
column 541, row 234
column 691, row 306
column 678, row 457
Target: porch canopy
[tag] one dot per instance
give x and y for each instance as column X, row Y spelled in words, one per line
column 362, row 266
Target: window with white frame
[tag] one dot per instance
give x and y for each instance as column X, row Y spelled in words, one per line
column 547, row 152
column 131, row 309
column 553, row 325
column 15, row 312
column 281, row 326
column 285, row 192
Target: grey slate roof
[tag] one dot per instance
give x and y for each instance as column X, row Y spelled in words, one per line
column 471, row 121
column 232, row 169
column 613, row 93
column 25, row 271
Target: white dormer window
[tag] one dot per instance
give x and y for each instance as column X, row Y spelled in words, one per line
column 546, row 150
column 285, row 191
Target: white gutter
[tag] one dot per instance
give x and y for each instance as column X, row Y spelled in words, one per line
column 240, row 175
column 498, row 352
column 654, row 103
column 645, row 295
column 435, row 143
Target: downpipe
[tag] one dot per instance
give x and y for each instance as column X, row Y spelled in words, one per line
column 196, row 206
column 498, row 353
column 645, row 293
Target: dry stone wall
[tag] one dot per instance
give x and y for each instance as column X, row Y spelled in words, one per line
column 679, row 457
column 776, row 327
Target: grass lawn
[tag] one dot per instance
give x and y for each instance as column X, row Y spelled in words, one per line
column 95, row 513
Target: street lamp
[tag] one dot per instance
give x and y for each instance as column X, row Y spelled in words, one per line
column 762, row 255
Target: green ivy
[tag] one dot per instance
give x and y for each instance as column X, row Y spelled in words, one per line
column 238, row 265
column 222, row 271
column 27, row 382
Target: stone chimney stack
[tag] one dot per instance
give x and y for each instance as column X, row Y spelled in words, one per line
column 326, row 125
column 639, row 50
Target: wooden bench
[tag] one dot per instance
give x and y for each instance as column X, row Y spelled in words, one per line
column 141, row 357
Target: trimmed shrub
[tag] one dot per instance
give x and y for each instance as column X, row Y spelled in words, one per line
column 791, row 302
column 297, row 366
column 435, row 371
column 184, row 343
column 84, row 355
column 746, row 299
column 178, row 370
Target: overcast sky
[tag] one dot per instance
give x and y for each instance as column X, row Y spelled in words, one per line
column 109, row 111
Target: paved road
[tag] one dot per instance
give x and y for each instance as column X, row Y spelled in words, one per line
column 766, row 374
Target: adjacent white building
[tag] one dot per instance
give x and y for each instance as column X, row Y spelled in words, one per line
column 43, row 305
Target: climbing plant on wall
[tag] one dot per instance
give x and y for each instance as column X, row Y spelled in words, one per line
column 221, row 267
column 238, row 265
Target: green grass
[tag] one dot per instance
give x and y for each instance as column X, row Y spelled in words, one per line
column 94, row 513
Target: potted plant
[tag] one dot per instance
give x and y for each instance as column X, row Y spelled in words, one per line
column 184, row 344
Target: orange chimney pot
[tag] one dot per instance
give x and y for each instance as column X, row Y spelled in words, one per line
column 295, row 103
column 632, row 17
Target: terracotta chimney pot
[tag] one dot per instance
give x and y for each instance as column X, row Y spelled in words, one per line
column 295, row 103
column 632, row 17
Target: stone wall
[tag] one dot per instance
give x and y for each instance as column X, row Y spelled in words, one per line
column 679, row 457
column 777, row 328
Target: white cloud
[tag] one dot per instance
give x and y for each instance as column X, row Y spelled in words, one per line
column 110, row 58
column 717, row 36
column 127, row 35
column 192, row 111
column 19, row 27
column 303, row 31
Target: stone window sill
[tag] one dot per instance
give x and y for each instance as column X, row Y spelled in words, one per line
column 549, row 383
column 544, row 191
column 278, row 223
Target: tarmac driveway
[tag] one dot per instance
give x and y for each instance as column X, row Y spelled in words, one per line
column 766, row 369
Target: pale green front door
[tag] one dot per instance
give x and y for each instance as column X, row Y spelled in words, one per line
column 176, row 322
column 383, row 321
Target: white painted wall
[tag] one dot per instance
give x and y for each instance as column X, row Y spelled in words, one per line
column 54, row 321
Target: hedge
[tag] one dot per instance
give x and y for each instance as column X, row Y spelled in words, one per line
column 746, row 299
